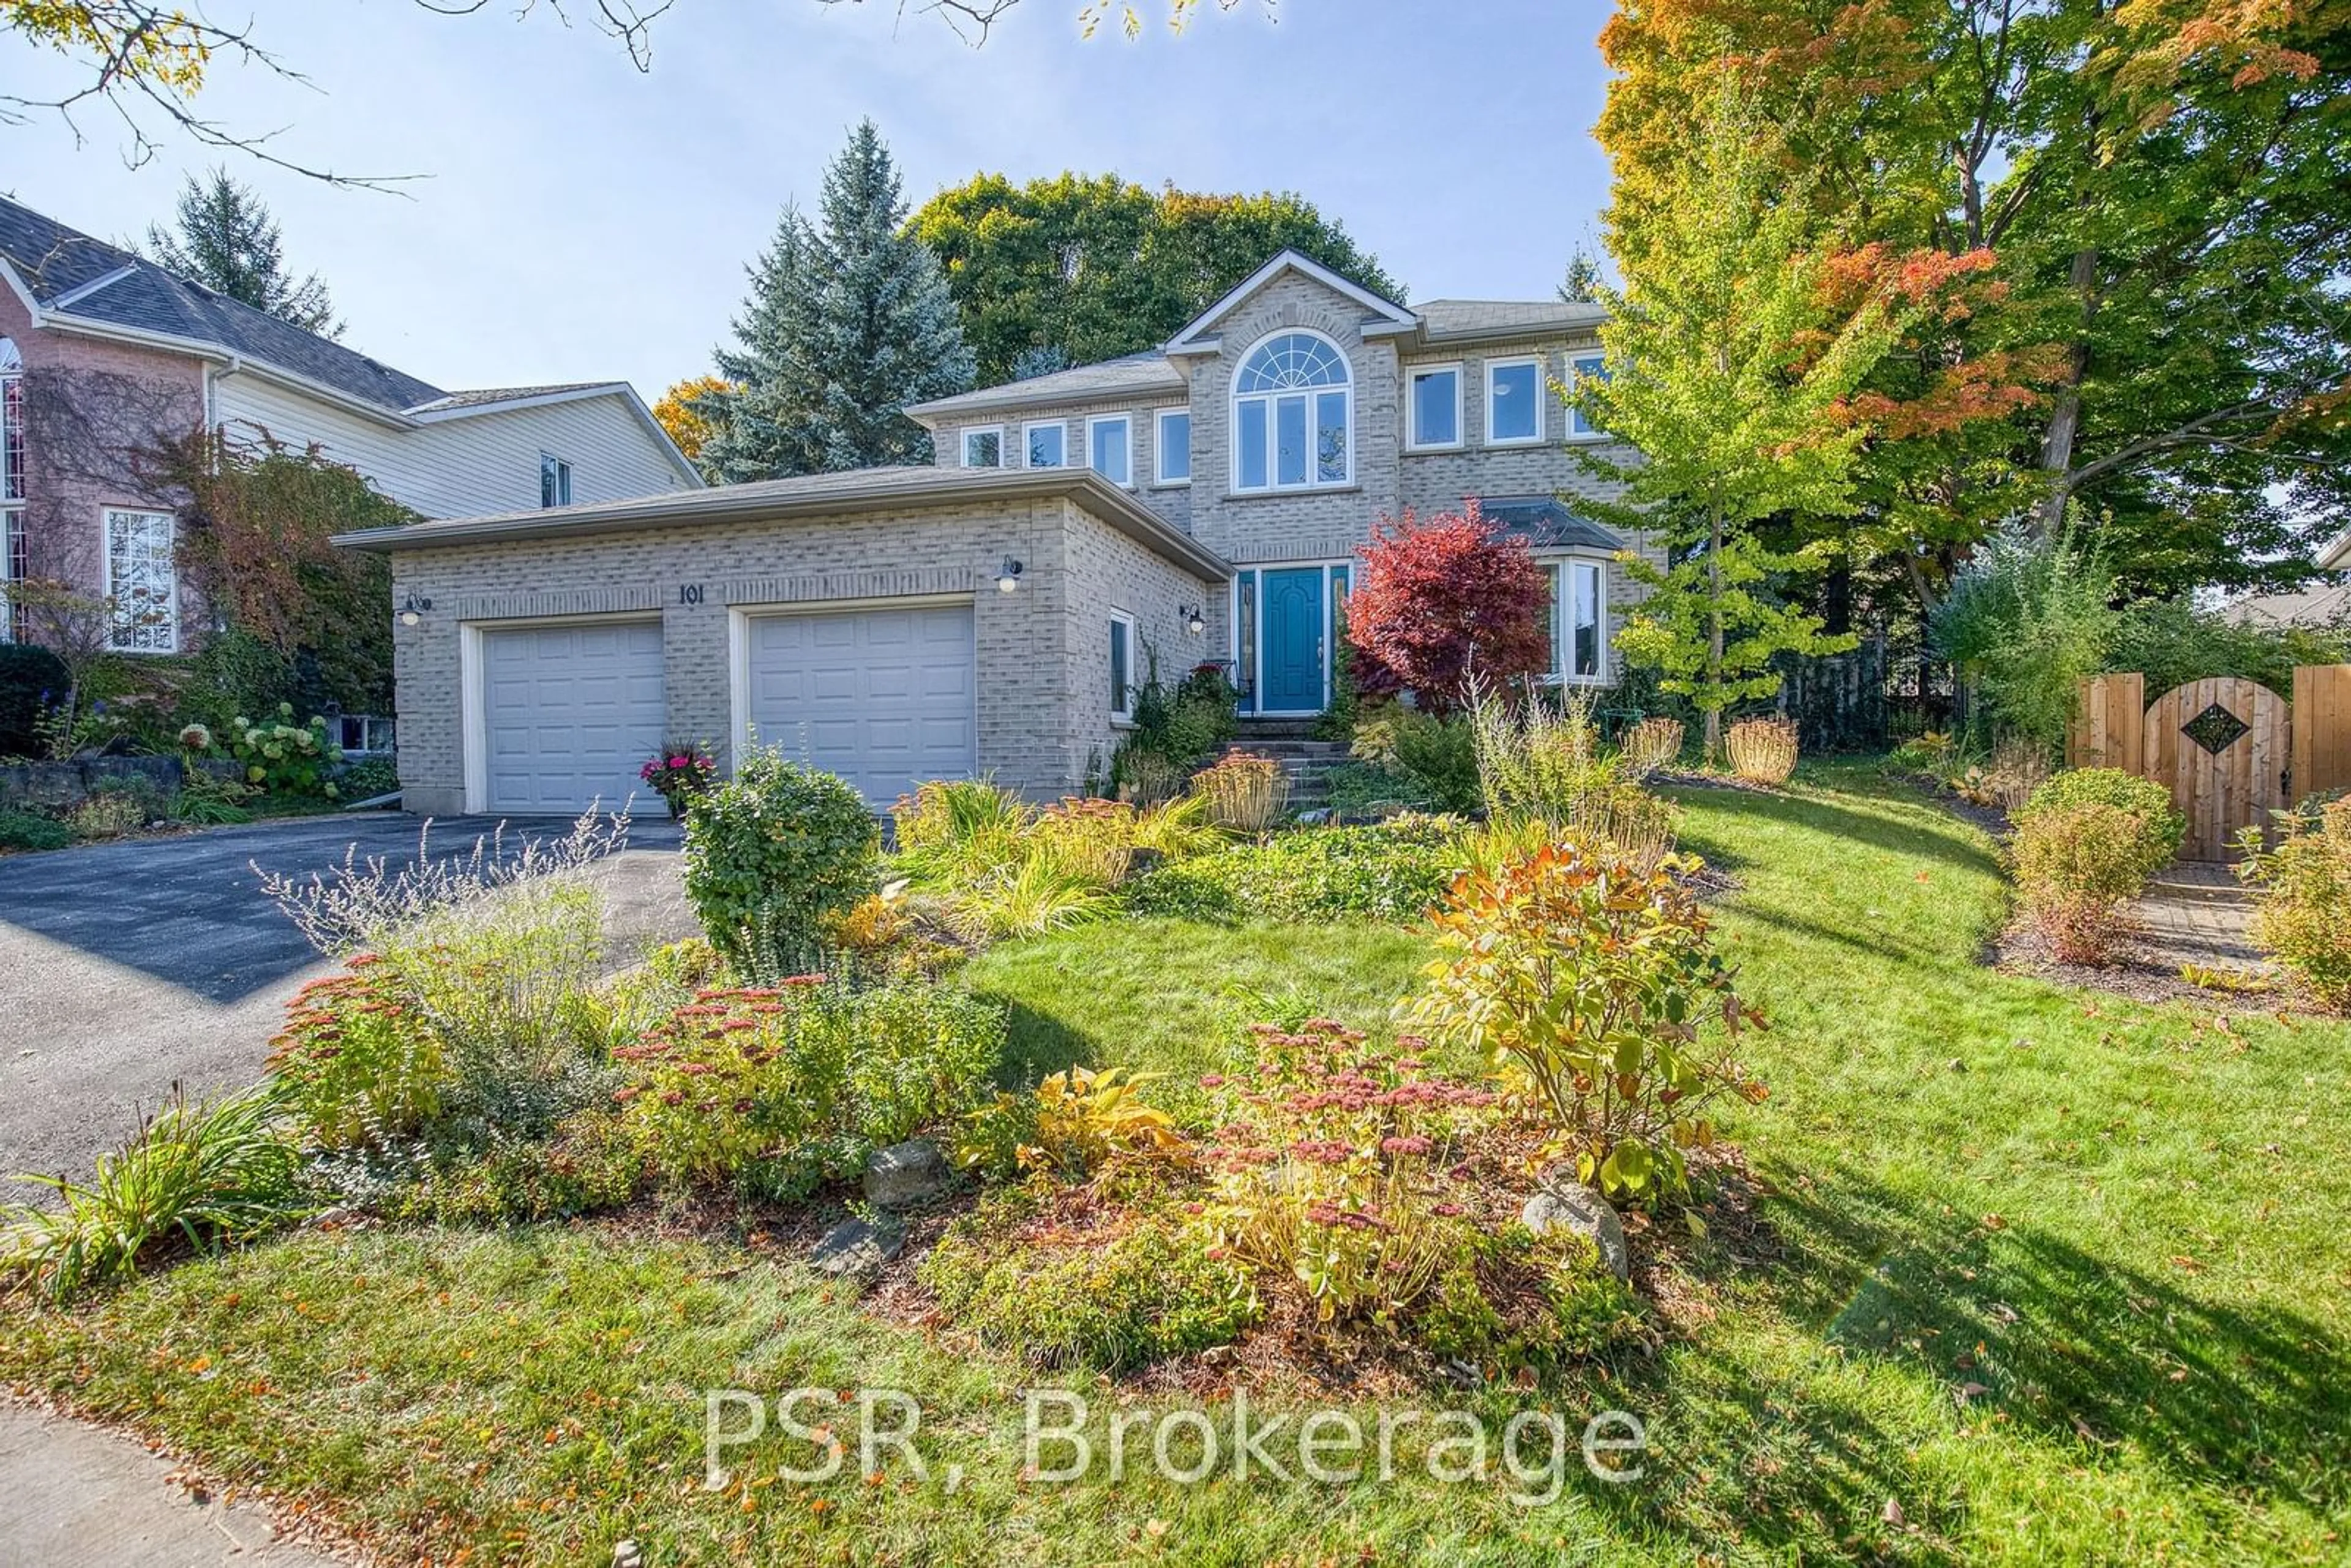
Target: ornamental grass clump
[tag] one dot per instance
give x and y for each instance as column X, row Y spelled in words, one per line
column 2303, row 887
column 1339, row 1167
column 1591, row 981
column 1650, row 744
column 1244, row 791
column 1763, row 750
column 774, row 1090
column 1074, row 1122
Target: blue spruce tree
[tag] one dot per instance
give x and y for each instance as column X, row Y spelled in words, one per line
column 848, row 321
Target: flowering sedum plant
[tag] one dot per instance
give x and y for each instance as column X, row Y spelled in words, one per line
column 1342, row 1165
column 779, row 1088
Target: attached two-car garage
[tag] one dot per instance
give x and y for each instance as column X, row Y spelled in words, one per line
column 885, row 695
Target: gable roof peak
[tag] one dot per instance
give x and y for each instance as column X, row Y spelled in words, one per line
column 1383, row 316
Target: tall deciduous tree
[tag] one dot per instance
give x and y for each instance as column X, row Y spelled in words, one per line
column 1090, row 267
column 224, row 238
column 1731, row 370
column 848, row 321
column 2156, row 181
column 683, row 418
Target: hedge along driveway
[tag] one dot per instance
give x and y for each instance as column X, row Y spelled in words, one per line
column 127, row 967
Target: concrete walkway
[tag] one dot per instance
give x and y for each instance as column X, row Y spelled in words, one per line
column 80, row 1497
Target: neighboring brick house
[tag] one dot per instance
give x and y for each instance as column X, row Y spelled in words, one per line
column 995, row 613
column 103, row 354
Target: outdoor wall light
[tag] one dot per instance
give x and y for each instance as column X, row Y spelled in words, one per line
column 1194, row 621
column 412, row 610
column 1009, row 577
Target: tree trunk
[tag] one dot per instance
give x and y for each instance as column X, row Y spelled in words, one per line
column 1714, row 637
column 2065, row 407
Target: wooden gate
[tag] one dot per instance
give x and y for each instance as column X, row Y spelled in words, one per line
column 2222, row 746
column 2231, row 750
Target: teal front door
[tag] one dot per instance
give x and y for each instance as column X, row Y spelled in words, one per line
column 1292, row 642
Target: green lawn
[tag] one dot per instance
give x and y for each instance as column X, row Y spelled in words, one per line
column 2051, row 1278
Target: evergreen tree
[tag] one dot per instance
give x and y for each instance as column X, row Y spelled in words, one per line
column 847, row 322
column 1582, row 284
column 228, row 242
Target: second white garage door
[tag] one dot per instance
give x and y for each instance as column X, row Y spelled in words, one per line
column 884, row 697
column 572, row 713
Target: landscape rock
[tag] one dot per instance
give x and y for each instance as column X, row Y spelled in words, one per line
column 1566, row 1204
column 906, row 1174
column 853, row 1249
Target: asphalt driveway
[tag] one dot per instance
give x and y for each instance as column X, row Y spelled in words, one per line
column 127, row 967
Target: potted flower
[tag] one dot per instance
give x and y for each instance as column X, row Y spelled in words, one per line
column 680, row 770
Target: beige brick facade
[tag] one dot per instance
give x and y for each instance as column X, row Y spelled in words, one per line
column 1043, row 689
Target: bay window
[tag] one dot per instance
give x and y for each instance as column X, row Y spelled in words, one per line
column 1579, row 611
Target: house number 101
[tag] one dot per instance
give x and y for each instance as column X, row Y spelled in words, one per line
column 689, row 593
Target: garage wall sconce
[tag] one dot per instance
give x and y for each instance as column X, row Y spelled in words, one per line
column 1194, row 621
column 1008, row 578
column 412, row 610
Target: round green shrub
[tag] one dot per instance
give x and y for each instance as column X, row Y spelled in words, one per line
column 2144, row 798
column 31, row 680
column 26, row 831
column 772, row 852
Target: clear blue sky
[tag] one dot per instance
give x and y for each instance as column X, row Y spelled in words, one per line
column 581, row 220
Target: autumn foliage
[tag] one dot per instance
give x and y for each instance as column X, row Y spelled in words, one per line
column 1440, row 597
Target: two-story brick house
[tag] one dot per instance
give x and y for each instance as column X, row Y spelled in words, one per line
column 103, row 354
column 995, row 613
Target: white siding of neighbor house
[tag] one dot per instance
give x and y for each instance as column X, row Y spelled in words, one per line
column 464, row 467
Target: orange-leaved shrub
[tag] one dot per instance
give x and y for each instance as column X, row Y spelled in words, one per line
column 1589, row 977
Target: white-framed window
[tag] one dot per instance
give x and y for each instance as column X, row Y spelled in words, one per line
column 12, row 566
column 1046, row 445
column 1514, row 399
column 1579, row 620
column 1110, row 448
column 1293, row 416
column 1122, row 667
column 12, row 423
column 1173, row 437
column 142, row 581
column 554, row 481
column 1434, row 394
column 983, row 447
column 1582, row 368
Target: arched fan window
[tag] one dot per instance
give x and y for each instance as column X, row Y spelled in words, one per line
column 1293, row 416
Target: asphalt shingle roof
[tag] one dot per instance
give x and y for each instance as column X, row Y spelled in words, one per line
column 1148, row 371
column 1546, row 523
column 1456, row 317
column 476, row 397
column 54, row 261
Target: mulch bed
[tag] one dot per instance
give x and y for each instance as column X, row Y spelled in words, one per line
column 2022, row 950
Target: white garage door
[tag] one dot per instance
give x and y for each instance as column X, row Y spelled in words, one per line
column 884, row 697
column 572, row 713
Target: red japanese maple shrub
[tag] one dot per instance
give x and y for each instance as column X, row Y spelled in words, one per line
column 1442, row 596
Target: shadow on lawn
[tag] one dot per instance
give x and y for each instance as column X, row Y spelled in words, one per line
column 1929, row 832
column 2086, row 1350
